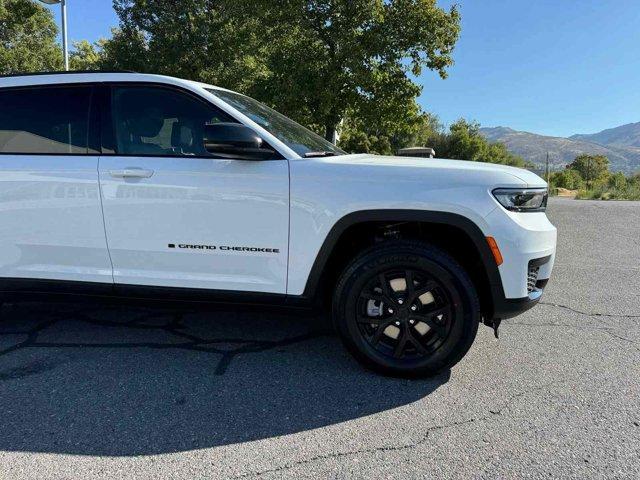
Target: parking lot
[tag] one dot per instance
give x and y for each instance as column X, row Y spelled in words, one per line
column 90, row 391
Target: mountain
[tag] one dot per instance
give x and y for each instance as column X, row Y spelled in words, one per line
column 624, row 157
column 626, row 135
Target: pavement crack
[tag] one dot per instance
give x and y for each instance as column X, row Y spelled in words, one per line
column 32, row 336
column 589, row 314
column 227, row 348
column 635, row 343
column 608, row 330
column 406, row 446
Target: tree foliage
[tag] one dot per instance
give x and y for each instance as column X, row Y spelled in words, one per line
column 590, row 176
column 462, row 141
column 465, row 142
column 567, row 178
column 86, row 56
column 27, row 38
column 414, row 129
column 318, row 61
column 592, row 168
column 587, row 171
column 617, row 181
column 329, row 58
column 216, row 41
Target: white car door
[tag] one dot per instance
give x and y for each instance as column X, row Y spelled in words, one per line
column 177, row 217
column 50, row 210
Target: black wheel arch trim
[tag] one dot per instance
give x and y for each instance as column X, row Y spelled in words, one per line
column 468, row 226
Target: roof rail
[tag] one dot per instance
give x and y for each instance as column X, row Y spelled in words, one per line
column 64, row 72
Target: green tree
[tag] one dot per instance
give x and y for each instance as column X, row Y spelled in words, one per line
column 617, row 181
column 27, row 38
column 593, row 168
column 128, row 50
column 465, row 142
column 354, row 140
column 87, row 56
column 318, row 61
column 414, row 129
column 329, row 58
column 569, row 179
column 214, row 41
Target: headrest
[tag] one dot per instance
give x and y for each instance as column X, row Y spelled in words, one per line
column 181, row 134
column 146, row 124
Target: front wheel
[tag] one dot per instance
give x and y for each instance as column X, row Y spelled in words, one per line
column 407, row 309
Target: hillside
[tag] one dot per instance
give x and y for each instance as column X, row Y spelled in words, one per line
column 533, row 147
column 625, row 135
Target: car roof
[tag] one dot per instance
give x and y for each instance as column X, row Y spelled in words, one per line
column 55, row 78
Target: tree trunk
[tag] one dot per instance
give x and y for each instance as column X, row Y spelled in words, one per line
column 331, row 133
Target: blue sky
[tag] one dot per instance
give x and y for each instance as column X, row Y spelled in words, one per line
column 555, row 67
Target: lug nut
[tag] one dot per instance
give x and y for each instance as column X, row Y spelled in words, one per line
column 413, row 308
column 390, row 310
column 398, row 324
column 400, row 301
column 411, row 322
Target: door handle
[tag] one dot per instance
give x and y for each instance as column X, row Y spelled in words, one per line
column 131, row 173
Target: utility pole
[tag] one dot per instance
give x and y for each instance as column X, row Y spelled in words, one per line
column 63, row 12
column 547, row 168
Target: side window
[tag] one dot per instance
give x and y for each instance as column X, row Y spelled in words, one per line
column 161, row 122
column 44, row 120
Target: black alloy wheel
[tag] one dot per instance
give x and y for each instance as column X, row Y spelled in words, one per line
column 406, row 308
column 408, row 321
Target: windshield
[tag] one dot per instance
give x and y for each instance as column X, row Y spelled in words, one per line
column 293, row 135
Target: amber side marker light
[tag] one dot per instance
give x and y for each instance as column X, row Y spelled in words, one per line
column 495, row 250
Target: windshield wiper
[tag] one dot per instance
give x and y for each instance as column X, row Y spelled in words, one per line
column 321, row 153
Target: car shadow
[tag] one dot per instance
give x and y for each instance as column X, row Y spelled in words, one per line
column 109, row 380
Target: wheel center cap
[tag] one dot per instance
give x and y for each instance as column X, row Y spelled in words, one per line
column 403, row 313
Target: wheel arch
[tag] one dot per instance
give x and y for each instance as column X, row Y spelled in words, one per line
column 329, row 262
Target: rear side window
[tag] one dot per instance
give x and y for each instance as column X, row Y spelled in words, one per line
column 44, row 120
column 161, row 122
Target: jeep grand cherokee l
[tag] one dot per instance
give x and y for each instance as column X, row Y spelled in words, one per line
column 139, row 186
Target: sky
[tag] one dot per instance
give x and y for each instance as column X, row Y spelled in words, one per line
column 554, row 67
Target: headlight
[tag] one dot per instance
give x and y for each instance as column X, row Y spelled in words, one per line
column 522, row 199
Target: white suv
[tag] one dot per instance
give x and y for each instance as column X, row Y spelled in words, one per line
column 140, row 186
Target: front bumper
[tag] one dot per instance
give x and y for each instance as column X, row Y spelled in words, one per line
column 512, row 307
column 505, row 308
column 527, row 242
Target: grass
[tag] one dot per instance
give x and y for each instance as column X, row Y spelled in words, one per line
column 631, row 192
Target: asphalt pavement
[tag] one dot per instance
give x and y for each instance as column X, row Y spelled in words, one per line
column 95, row 391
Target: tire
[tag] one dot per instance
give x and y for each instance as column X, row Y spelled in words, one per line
column 402, row 331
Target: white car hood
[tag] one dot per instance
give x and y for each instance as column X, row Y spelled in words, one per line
column 530, row 179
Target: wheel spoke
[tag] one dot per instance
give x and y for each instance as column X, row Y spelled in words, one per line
column 416, row 343
column 427, row 287
column 401, row 343
column 408, row 276
column 439, row 311
column 380, row 331
column 386, row 289
column 429, row 319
